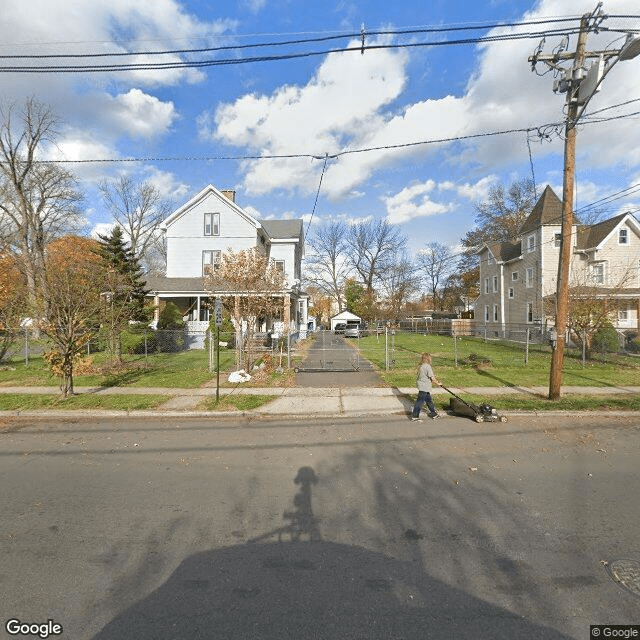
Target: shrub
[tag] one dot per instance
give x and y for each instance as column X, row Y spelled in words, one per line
column 170, row 317
column 133, row 340
column 606, row 339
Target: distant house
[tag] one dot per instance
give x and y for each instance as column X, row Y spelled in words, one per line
column 205, row 227
column 345, row 317
column 518, row 279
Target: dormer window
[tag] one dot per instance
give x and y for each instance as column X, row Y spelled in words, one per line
column 211, row 224
column 623, row 236
column 531, row 243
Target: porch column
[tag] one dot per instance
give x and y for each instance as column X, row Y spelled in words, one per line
column 638, row 314
column 156, row 308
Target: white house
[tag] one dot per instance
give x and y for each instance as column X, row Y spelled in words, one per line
column 200, row 231
column 345, row 317
column 518, row 279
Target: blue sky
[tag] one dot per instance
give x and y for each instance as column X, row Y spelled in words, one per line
column 180, row 122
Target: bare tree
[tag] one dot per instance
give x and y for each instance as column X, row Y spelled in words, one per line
column 327, row 260
column 38, row 200
column 499, row 218
column 139, row 209
column 373, row 246
column 399, row 285
column 252, row 287
column 436, row 263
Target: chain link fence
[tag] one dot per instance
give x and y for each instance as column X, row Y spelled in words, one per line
column 155, row 347
column 512, row 345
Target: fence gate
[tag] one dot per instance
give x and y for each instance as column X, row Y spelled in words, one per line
column 330, row 352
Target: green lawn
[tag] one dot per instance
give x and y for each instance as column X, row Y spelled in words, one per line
column 184, row 370
column 465, row 362
column 490, row 364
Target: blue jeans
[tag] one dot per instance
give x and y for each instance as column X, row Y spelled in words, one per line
column 423, row 396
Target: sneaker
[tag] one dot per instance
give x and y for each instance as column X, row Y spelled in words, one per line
column 433, row 416
column 416, row 419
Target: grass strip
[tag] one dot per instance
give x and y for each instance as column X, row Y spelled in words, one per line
column 35, row 401
column 532, row 402
column 235, row 402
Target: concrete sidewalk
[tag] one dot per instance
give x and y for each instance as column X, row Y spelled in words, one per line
column 296, row 401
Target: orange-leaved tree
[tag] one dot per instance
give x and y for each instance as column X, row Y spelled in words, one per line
column 73, row 284
column 252, row 287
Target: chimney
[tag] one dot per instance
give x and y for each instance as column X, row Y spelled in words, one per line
column 229, row 194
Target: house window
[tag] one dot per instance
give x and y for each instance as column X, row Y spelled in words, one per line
column 623, row 315
column 511, row 292
column 495, row 283
column 486, row 285
column 531, row 244
column 210, row 261
column 597, row 273
column 496, row 312
column 529, row 277
column 211, row 224
column 514, row 275
column 486, row 313
column 557, row 239
column 279, row 265
column 623, row 236
column 529, row 312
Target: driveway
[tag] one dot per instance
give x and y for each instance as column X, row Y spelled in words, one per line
column 332, row 362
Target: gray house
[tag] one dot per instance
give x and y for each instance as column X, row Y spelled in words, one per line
column 518, row 279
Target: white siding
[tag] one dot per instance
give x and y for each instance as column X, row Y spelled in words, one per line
column 186, row 240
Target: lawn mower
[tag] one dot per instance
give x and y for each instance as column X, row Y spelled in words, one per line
column 480, row 413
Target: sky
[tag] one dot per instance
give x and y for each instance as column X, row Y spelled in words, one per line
column 407, row 129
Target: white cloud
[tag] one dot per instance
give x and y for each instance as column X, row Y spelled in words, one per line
column 474, row 192
column 319, row 118
column 327, row 116
column 413, row 202
column 101, row 229
column 139, row 115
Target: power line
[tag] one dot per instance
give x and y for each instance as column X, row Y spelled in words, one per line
column 184, row 64
column 538, row 129
column 338, row 36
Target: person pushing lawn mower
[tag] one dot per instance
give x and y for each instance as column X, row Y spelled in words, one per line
column 426, row 380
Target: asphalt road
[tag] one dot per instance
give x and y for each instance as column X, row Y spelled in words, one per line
column 371, row 529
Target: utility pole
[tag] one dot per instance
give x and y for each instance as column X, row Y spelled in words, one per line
column 580, row 85
column 564, row 262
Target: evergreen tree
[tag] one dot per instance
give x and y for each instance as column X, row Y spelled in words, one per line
column 127, row 276
column 124, row 295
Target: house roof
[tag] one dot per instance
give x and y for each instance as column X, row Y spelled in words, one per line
column 209, row 191
column 346, row 315
column 175, row 285
column 505, row 251
column 590, row 237
column 282, row 229
column 547, row 211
